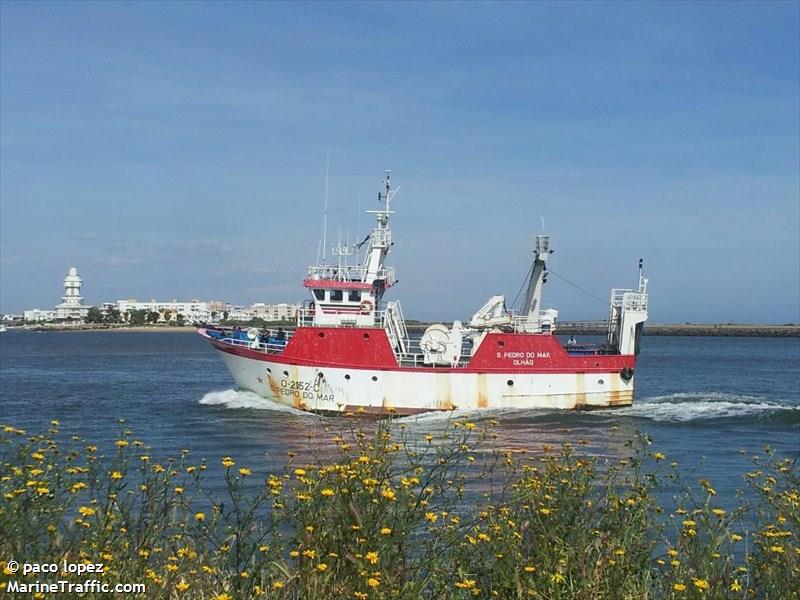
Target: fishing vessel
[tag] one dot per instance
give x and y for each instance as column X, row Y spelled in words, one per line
column 351, row 350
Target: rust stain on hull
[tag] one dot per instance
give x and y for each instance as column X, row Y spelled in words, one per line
column 483, row 396
column 580, row 396
column 444, row 399
column 274, row 387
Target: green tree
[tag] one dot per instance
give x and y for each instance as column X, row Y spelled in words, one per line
column 138, row 317
column 153, row 316
column 94, row 315
column 113, row 316
column 180, row 319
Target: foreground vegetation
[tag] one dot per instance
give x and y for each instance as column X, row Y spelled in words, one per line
column 386, row 514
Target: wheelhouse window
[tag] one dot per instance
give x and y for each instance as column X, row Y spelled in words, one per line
column 354, row 296
column 336, row 295
column 319, row 294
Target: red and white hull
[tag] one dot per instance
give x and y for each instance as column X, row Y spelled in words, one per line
column 343, row 370
column 351, row 350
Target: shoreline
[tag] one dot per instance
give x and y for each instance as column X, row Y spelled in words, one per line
column 658, row 329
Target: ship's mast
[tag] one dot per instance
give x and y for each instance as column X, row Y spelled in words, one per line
column 533, row 298
column 380, row 239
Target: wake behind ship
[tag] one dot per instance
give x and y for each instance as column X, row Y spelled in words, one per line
column 351, row 351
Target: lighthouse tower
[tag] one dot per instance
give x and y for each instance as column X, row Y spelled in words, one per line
column 72, row 306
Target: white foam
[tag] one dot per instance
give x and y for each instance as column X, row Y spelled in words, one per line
column 683, row 407
column 246, row 399
column 477, row 414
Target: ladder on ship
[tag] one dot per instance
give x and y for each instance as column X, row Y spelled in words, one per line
column 396, row 327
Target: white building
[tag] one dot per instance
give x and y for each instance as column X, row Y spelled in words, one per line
column 72, row 306
column 194, row 311
column 39, row 316
column 274, row 312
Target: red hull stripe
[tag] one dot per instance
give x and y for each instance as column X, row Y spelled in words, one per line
column 369, row 349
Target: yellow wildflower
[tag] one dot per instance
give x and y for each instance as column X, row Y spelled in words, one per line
column 244, row 472
column 432, row 517
column 116, row 475
column 322, row 567
column 386, row 531
column 373, row 583
column 86, row 511
column 228, row 462
column 372, row 557
column 700, row 584
column 679, row 587
column 327, row 492
column 199, row 516
column 736, row 586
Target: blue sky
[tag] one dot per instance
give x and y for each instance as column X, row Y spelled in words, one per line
column 178, row 150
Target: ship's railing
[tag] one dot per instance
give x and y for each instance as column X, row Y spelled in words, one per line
column 418, row 360
column 628, row 299
column 353, row 273
column 305, row 318
column 268, row 341
column 414, row 357
column 521, row 325
column 381, row 237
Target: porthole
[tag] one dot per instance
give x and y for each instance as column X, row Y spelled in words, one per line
column 501, row 343
column 510, row 382
column 347, row 376
column 374, row 378
column 269, row 370
column 286, row 373
column 366, row 336
column 600, row 381
column 321, row 334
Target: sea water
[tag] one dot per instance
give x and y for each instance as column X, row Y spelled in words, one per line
column 707, row 403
